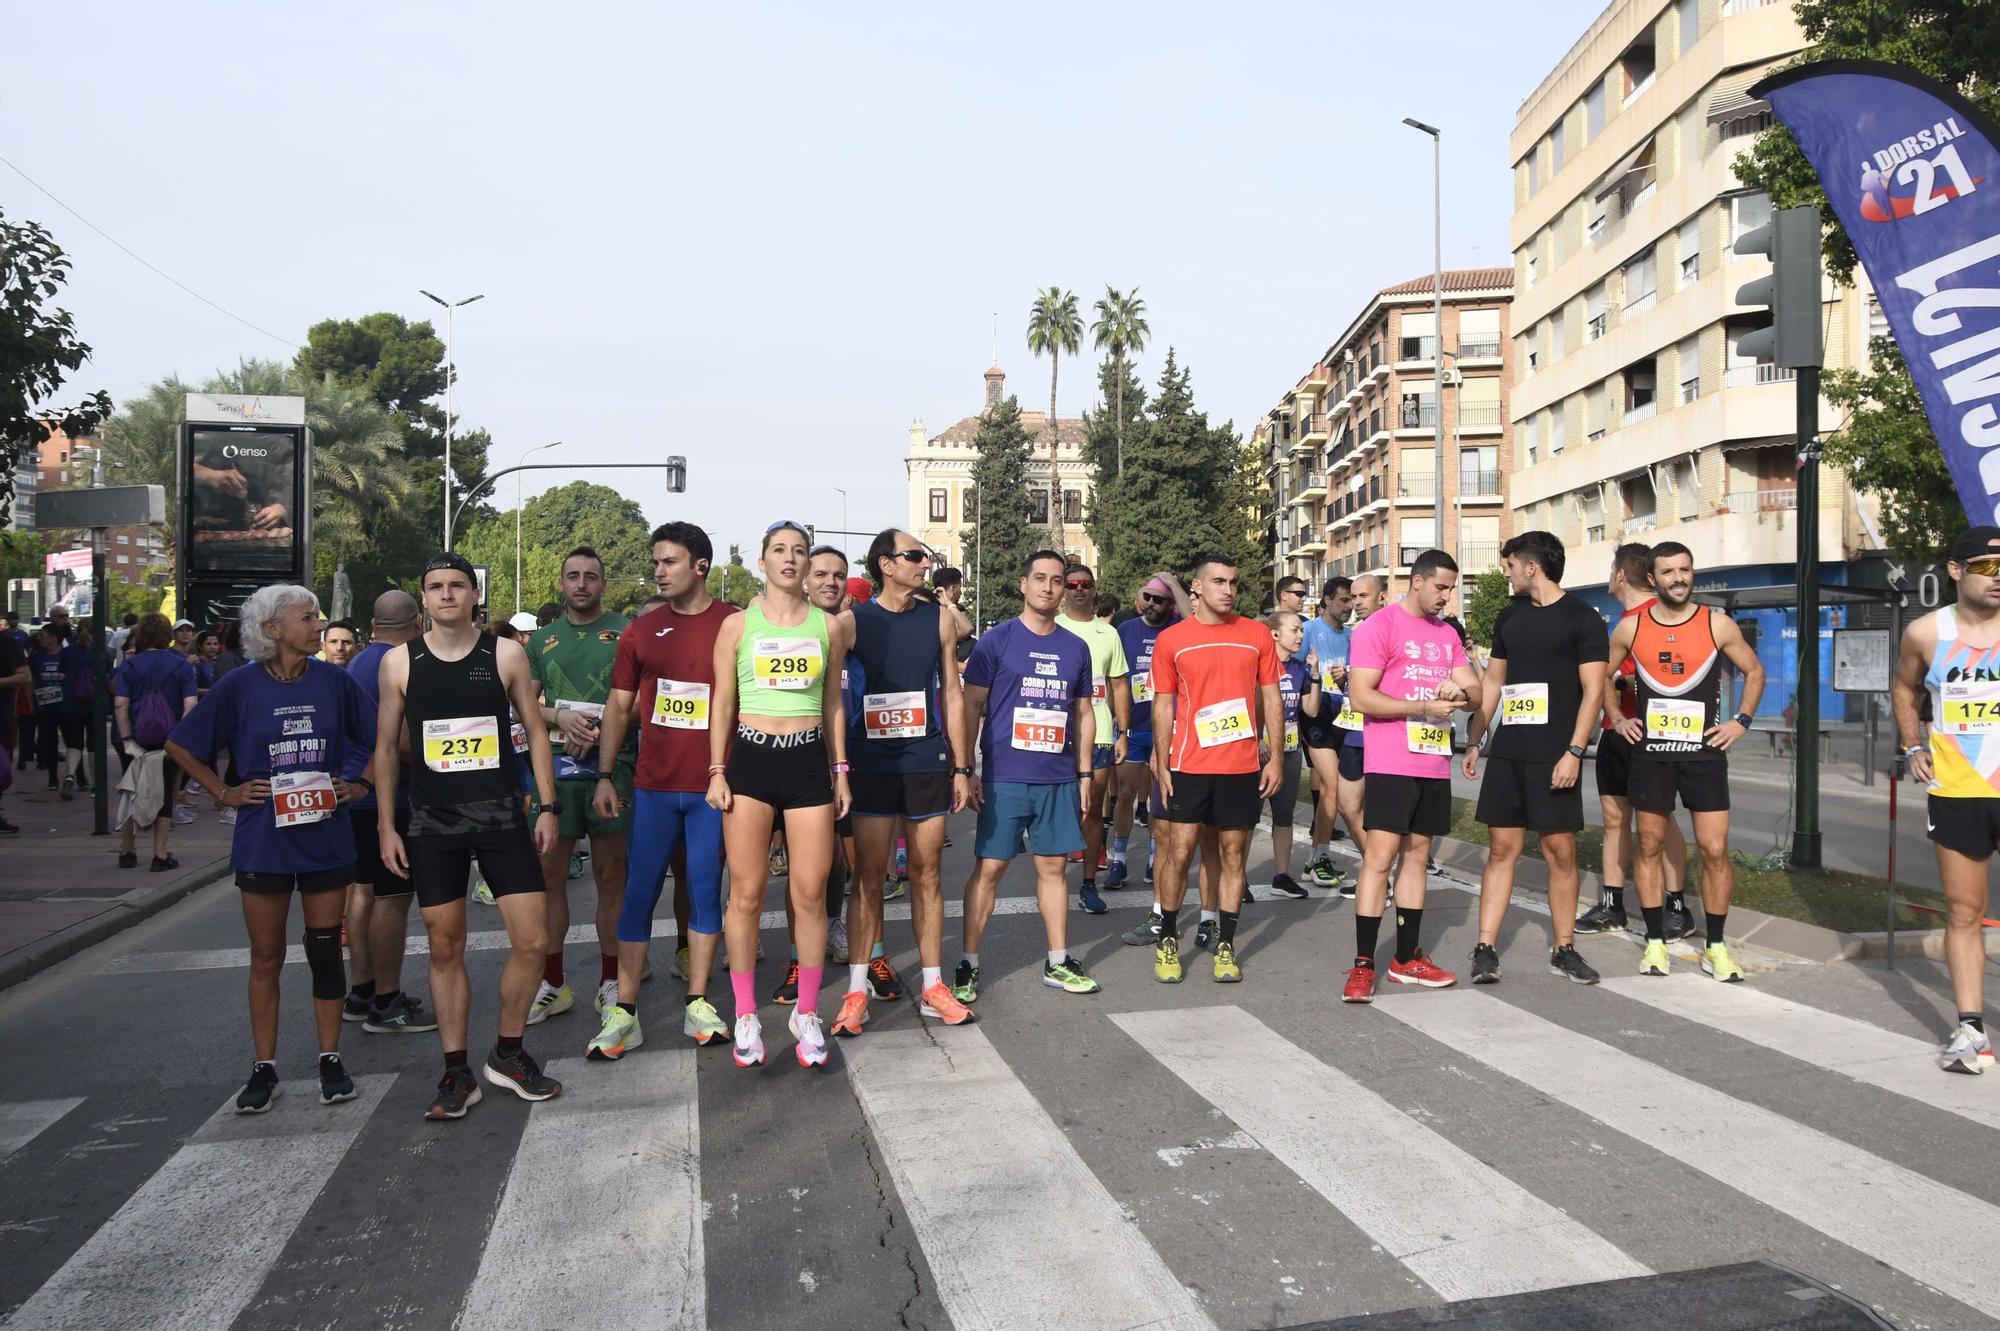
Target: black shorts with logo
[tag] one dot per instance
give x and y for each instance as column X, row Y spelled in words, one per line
column 1701, row 783
column 441, row 863
column 1516, row 793
column 1614, row 764
column 1407, row 805
column 1215, row 799
column 1969, row 826
column 912, row 796
column 305, row 884
column 368, row 866
column 1319, row 732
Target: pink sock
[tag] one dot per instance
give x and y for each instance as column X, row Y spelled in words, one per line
column 745, row 985
column 809, row 977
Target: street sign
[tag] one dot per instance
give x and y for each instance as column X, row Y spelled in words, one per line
column 1861, row 660
column 111, row 506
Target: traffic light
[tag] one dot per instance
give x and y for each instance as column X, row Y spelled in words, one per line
column 1791, row 292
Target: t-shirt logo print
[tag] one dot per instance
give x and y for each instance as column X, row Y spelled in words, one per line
column 1412, row 650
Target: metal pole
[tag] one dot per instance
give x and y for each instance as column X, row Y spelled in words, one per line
column 1895, row 771
column 1806, row 839
column 978, row 555
column 1437, row 330
column 517, row 543
column 100, row 671
column 450, row 328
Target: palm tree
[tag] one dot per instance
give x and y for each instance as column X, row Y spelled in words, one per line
column 1054, row 326
column 1121, row 325
column 142, row 441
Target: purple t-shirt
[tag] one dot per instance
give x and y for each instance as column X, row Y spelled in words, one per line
column 1031, row 679
column 1416, row 656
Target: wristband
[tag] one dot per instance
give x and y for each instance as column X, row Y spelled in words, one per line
column 715, row 769
column 1914, row 750
column 363, row 781
column 841, row 769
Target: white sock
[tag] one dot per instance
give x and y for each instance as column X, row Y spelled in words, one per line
column 1319, row 849
column 1057, row 956
column 857, row 978
column 1211, row 917
column 932, row 975
column 972, row 960
column 1158, row 909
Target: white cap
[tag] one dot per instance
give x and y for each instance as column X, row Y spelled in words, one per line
column 525, row 621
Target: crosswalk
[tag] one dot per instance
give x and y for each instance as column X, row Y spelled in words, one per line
column 1020, row 1211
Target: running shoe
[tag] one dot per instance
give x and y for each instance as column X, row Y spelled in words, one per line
column 183, row 815
column 1360, row 987
column 607, row 996
column 941, row 1004
column 679, row 970
column 259, row 1091
column 164, row 863
column 458, row 1091
column 883, row 981
column 700, row 1022
column 1287, row 886
column 355, row 1008
column 1115, row 875
column 1680, row 920
column 1569, row 963
column 1145, row 933
column 1654, row 960
column 1248, row 895
column 1149, row 868
column 1716, row 961
column 1485, row 964
column 227, row 817
column 1603, row 918
column 1346, row 888
column 787, row 993
column 1167, row 960
column 549, row 1002
column 836, row 941
column 619, row 1035
column 1092, row 900
column 1076, row 857
column 128, row 859
column 1421, row 971
column 518, row 1072
column 403, row 1016
column 1226, row 969
column 965, row 983
column 575, row 865
column 481, row 893
column 1968, row 1050
column 892, row 888
column 947, row 841
column 334, row 1083
column 1205, row 933
column 810, row 1038
column 749, row 1048
column 69, row 787
column 853, row 1014
column 780, row 864
column 1103, row 858
column 1069, row 976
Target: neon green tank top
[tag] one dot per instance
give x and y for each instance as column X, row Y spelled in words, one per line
column 780, row 671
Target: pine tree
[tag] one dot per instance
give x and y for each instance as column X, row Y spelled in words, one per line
column 1101, row 449
column 999, row 544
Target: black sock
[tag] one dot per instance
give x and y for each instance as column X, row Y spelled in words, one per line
column 1407, row 924
column 1976, row 1020
column 1229, row 926
column 456, row 1059
column 1715, row 922
column 632, row 1009
column 1656, row 923
column 1170, row 922
column 387, row 999
column 1614, row 897
column 1366, row 929
column 509, row 1044
column 362, row 990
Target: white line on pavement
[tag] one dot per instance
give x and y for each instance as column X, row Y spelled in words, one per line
column 24, row 1120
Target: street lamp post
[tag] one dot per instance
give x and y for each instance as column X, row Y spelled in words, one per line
column 843, row 506
column 517, row 521
column 1437, row 312
column 450, row 326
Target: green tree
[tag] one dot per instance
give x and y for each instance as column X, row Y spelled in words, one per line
column 38, row 350
column 490, row 541
column 1002, row 537
column 1887, row 448
column 21, row 555
column 1054, row 328
column 1489, row 596
column 1121, row 326
column 1121, row 415
column 733, row 582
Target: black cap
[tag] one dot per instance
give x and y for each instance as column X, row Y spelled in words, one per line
column 1975, row 542
column 452, row 559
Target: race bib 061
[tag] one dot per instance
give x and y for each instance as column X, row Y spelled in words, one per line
column 299, row 798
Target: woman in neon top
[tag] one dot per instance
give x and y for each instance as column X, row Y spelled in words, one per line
column 771, row 667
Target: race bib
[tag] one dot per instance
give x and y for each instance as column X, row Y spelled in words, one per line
column 1669, row 719
column 298, row 798
column 895, row 715
column 1327, row 681
column 1291, row 736
column 1348, row 719
column 1969, row 707
column 1222, row 723
column 1040, row 729
column 464, row 744
column 1428, row 737
column 1097, row 688
column 48, row 695
column 679, row 705
column 1524, row 704
column 518, row 734
column 593, row 710
column 786, row 663
column 1142, row 682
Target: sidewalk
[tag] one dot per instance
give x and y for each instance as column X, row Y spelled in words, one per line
column 61, row 889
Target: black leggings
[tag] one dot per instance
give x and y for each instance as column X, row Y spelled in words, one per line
column 58, row 731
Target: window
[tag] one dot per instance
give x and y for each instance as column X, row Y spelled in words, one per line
column 1419, row 341
column 1600, row 217
column 1689, row 247
column 1419, row 411
column 1479, row 333
column 123, row 539
column 1642, row 282
column 1528, row 439
column 1557, row 423
column 1641, row 506
column 1745, row 126
column 1637, row 64
column 1747, row 212
column 1687, row 358
column 1416, row 474
column 968, row 505
column 1556, row 146
column 1417, row 536
column 1479, row 403
column 1479, row 470
column 939, row 511
column 1533, row 264
column 124, row 559
column 1595, row 322
column 1557, row 323
column 1642, row 390
column 1478, row 542
column 1038, row 505
column 1072, row 506
column 1689, row 14
column 1593, row 112
column 1593, row 513
column 1593, row 412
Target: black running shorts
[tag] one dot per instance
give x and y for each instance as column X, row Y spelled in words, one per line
column 441, row 863
column 1969, row 826
column 1215, row 799
column 368, row 867
column 1702, row 784
column 1614, row 764
column 1407, row 805
column 913, row 796
column 305, row 884
column 1515, row 793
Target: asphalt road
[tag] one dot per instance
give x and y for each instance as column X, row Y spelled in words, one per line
column 1191, row 1156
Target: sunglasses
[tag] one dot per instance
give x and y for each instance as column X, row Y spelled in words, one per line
column 1152, row 598
column 1986, row 566
column 1079, row 585
column 913, row 556
column 784, row 522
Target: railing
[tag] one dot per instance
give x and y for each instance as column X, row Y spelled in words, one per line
column 1478, row 413
column 1642, row 302
column 1412, row 486
column 1479, row 482
column 1312, row 480
column 1312, row 422
column 1645, row 411
column 1744, row 6
column 1417, row 348
column 1777, row 500
column 1592, row 535
column 1746, row 376
column 1470, row 350
column 1417, row 414
column 1640, row 522
column 1478, row 555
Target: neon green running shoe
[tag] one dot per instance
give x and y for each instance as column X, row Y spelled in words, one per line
column 618, row 1036
column 1655, row 960
column 550, row 1001
column 1068, row 975
column 965, row 983
column 1226, row 969
column 1167, row 960
column 704, row 1025
column 1716, row 961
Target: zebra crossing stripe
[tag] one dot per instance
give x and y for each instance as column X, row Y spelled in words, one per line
column 1015, row 1227
column 24, row 1120
column 620, row 1146
column 1899, row 1064
column 1900, row 1217
column 1476, row 1233
column 192, row 1245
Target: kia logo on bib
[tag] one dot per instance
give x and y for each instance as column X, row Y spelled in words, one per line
column 233, row 451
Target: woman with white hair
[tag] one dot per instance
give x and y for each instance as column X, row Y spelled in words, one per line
column 300, row 733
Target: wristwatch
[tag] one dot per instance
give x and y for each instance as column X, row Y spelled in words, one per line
column 961, row 771
column 1574, row 750
column 1742, row 719
column 553, row 806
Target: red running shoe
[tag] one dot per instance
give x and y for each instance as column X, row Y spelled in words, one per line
column 1360, row 985
column 1421, row 970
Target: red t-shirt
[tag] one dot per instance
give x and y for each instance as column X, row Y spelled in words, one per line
column 1628, row 697
column 1213, row 671
column 667, row 660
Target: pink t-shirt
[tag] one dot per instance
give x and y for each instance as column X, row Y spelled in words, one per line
column 1416, row 656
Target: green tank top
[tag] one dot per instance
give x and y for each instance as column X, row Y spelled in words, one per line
column 781, row 671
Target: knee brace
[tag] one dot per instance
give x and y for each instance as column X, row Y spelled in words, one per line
column 329, row 976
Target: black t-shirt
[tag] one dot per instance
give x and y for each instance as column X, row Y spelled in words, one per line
column 12, row 658
column 1542, row 645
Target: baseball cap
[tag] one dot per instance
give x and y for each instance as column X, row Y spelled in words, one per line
column 1975, row 542
column 183, row 623
column 451, row 560
column 860, row 589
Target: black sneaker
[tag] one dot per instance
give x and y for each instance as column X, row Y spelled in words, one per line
column 1485, row 964
column 1284, row 886
column 1569, row 963
column 259, row 1091
column 128, row 859
column 883, row 982
column 1347, row 889
column 1145, row 933
column 7, row 828
column 355, row 1008
column 1149, row 871
column 165, row 864
column 334, row 1083
column 947, row 841
column 1248, row 895
column 1603, row 918
column 458, row 1091
column 403, row 1016
column 787, row 993
column 517, row 1072
column 1205, row 934
column 69, row 787
column 1680, row 921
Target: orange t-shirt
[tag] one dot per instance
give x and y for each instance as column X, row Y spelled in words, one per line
column 1213, row 672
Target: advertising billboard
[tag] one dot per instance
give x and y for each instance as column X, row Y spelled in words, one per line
column 245, row 518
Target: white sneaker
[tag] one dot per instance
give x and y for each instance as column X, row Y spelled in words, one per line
column 836, row 941
column 811, row 1037
column 1968, row 1050
column 481, row 893
column 607, row 995
column 749, row 1050
column 227, row 817
column 183, row 814
column 549, row 1001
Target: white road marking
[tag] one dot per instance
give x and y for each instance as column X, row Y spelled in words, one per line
column 21, row 1121
column 1476, row 1233
column 1900, row 1217
column 1015, row 1227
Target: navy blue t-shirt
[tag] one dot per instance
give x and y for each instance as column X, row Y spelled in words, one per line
column 321, row 722
column 366, row 667
column 1138, row 637
column 78, row 687
column 1029, row 730
column 164, row 672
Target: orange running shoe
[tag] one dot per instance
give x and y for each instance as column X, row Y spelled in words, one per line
column 941, row 1003
column 853, row 1014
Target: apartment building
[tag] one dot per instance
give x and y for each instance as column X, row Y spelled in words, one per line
column 131, row 553
column 1351, row 448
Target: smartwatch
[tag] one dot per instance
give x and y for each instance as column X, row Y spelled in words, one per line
column 553, row 806
column 1742, row 719
column 1574, row 750
column 961, row 771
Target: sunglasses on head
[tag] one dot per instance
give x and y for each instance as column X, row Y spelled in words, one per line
column 1986, row 566
column 819, row 550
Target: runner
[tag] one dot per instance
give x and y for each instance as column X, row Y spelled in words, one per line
column 1111, row 697
column 949, row 584
column 1029, row 685
column 1547, row 670
column 60, row 670
column 1215, row 698
column 571, row 659
column 1631, row 585
column 772, row 667
column 909, row 749
column 1408, row 673
column 1299, row 692
column 338, row 643
column 1681, row 744
column 1336, row 764
column 301, row 734
column 1954, row 653
column 1162, row 603
column 663, row 680
column 455, row 686
column 1289, row 597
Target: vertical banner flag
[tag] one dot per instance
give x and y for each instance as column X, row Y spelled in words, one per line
column 1913, row 173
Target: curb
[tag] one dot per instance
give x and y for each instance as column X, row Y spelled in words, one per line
column 124, row 912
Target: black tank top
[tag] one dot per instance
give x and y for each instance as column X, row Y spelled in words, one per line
column 463, row 775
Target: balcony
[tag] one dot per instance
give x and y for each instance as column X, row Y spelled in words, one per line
column 1780, row 500
column 1749, row 376
column 1645, row 411
column 1380, row 374
column 1478, row 350
column 1312, row 486
column 1416, row 350
column 1312, row 429
column 1417, row 414
column 1478, row 557
column 1481, row 482
column 1638, row 524
column 1340, row 408
column 1415, row 489
column 1313, row 547
column 1478, row 415
column 1371, row 443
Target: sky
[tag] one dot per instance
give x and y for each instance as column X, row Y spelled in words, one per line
column 764, row 237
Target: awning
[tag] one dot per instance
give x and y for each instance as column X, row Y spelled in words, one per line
column 1630, row 166
column 1731, row 99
